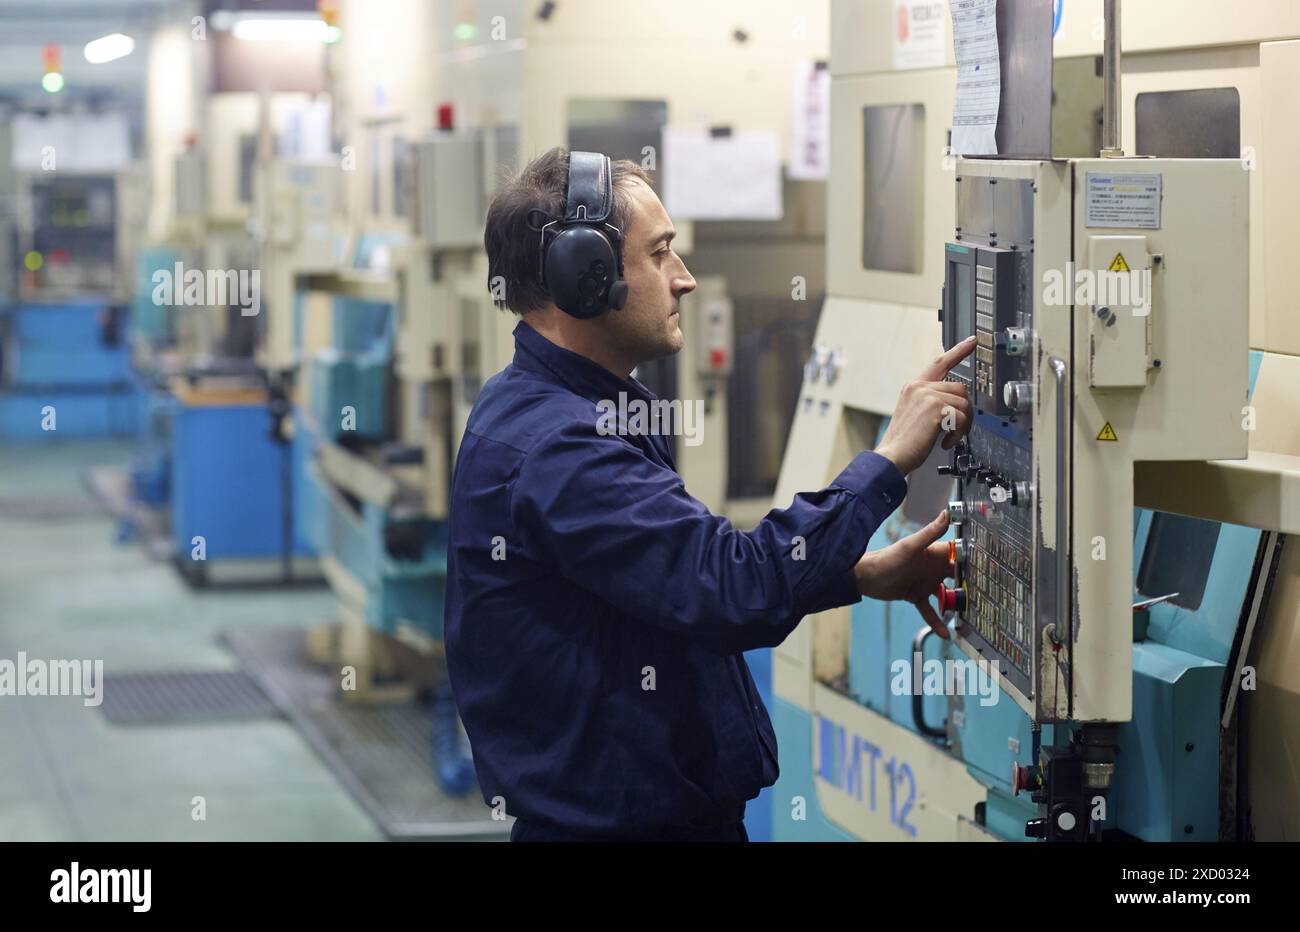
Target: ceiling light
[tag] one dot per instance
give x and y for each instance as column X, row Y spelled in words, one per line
column 108, row 48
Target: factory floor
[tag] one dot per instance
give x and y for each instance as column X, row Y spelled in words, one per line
column 67, row 590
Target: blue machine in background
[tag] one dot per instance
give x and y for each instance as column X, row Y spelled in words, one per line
column 376, row 539
column 396, row 553
column 66, row 371
column 231, row 481
column 216, row 452
column 350, row 378
column 1167, row 780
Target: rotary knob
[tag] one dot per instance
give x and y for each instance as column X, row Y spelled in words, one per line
column 956, row 512
column 1018, row 396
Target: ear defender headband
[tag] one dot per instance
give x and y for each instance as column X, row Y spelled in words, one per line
column 582, row 254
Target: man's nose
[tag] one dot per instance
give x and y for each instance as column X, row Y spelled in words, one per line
column 683, row 283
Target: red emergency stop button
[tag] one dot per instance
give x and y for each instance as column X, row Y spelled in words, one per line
column 951, row 600
column 1025, row 778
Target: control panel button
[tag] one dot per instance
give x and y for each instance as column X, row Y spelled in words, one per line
column 951, row 600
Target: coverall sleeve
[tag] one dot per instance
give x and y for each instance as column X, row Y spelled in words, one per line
column 623, row 527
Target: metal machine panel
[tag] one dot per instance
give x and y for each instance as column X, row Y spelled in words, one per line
column 1140, row 397
column 1024, row 127
column 1166, row 786
column 449, row 188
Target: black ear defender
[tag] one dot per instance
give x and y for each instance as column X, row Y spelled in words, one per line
column 582, row 253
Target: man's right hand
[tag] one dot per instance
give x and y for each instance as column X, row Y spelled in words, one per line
column 926, row 407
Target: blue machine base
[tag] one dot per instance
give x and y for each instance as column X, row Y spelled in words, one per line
column 51, row 414
column 227, row 483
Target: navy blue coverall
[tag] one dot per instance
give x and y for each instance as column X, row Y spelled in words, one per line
column 581, row 573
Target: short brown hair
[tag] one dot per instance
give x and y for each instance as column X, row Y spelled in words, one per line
column 525, row 203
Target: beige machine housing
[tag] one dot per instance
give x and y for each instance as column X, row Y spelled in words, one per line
column 1131, row 386
column 877, row 329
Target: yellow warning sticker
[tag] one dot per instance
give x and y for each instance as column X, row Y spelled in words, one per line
column 1107, row 433
column 1118, row 264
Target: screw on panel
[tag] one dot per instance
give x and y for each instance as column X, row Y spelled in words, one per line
column 1187, row 830
column 1157, row 363
column 1189, row 747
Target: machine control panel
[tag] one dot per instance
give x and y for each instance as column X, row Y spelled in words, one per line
column 986, row 293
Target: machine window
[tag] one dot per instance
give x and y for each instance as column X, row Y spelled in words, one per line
column 892, row 187
column 1199, row 124
column 1177, row 558
column 619, row 128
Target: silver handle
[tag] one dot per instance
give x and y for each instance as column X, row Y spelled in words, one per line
column 1062, row 490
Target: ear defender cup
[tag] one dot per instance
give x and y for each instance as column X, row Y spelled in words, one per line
column 582, row 261
column 582, row 273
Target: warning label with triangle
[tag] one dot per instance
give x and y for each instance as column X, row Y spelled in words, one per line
column 1118, row 264
column 1107, row 433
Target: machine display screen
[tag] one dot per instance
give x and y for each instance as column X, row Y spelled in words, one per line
column 960, row 274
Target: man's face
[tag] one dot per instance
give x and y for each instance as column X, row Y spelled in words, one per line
column 648, row 326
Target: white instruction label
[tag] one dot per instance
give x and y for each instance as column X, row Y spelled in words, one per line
column 979, row 76
column 919, row 34
column 1129, row 200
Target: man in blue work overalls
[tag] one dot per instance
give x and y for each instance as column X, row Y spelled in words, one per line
column 579, row 567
